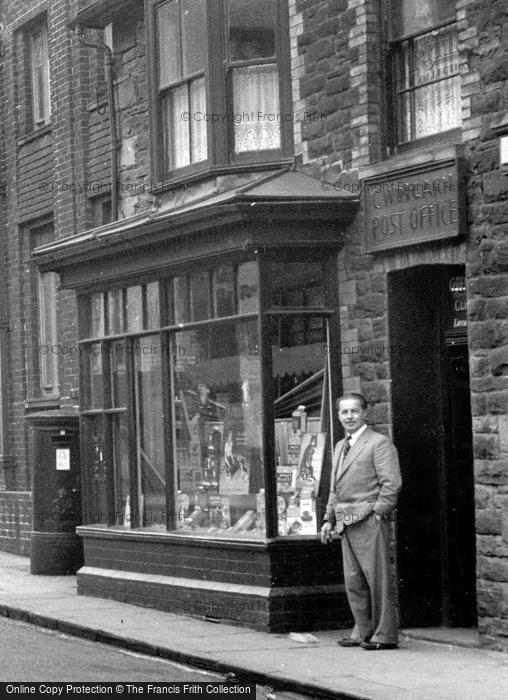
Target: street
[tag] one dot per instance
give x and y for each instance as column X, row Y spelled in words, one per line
column 31, row 653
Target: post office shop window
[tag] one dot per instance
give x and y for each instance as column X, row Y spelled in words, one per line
column 38, row 80
column 425, row 69
column 219, row 68
column 176, row 413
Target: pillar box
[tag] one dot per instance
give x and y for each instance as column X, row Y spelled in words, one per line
column 56, row 493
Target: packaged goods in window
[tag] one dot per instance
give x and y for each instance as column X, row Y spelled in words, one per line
column 235, row 468
column 225, row 523
column 294, row 522
column 308, row 512
column 286, row 479
column 282, row 515
column 246, row 522
column 182, row 509
column 261, row 511
column 310, row 460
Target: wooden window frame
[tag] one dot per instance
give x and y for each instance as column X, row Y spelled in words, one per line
column 221, row 155
column 395, row 48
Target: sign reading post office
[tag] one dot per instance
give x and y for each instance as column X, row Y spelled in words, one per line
column 414, row 206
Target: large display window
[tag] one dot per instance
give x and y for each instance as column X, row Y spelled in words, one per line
column 206, row 400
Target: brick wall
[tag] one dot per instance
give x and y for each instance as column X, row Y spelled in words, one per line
column 484, row 36
column 15, row 521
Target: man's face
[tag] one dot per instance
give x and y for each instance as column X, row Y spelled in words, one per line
column 351, row 415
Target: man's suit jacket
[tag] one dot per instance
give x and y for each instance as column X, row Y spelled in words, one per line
column 368, row 482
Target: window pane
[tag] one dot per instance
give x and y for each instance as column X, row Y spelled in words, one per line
column 429, row 97
column 95, row 380
column 195, row 36
column 152, row 306
column 168, row 42
column 98, row 510
column 410, row 16
column 177, row 130
column 251, row 29
column 116, row 322
column 300, row 421
column 123, row 513
column 150, row 434
column 134, row 309
column 248, row 292
column 297, row 284
column 118, row 366
column 217, row 408
column 256, row 94
column 181, row 300
column 200, row 296
column 224, row 291
column 48, row 331
column 97, row 315
column 197, row 122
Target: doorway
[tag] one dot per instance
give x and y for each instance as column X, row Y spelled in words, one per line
column 432, row 431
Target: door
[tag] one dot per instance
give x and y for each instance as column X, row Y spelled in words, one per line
column 432, row 431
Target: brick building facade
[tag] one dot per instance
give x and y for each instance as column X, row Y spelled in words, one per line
column 393, row 185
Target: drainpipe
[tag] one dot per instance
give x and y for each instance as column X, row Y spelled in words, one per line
column 113, row 134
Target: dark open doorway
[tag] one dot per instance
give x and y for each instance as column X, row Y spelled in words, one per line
column 432, row 431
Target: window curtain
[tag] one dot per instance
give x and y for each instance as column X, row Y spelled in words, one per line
column 256, row 108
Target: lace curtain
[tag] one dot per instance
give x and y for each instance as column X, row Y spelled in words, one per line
column 256, row 108
column 185, row 124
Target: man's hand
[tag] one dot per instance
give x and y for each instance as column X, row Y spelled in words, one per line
column 326, row 532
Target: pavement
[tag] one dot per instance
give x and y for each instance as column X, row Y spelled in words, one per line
column 312, row 665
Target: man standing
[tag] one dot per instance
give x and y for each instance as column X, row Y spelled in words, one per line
column 365, row 484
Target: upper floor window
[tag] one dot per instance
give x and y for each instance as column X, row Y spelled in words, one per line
column 220, row 98
column 425, row 68
column 38, row 62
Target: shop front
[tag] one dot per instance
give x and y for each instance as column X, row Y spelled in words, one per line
column 206, row 390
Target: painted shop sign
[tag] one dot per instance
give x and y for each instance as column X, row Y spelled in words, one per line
column 413, row 207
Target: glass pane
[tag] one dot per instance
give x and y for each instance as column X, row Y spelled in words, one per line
column 118, row 366
column 256, row 93
column 95, row 376
column 437, row 108
column 181, row 302
column 200, row 296
column 97, row 474
column 224, row 291
column 150, row 435
column 168, row 42
column 123, row 515
column 153, row 319
column 299, row 378
column 410, row 16
column 251, row 29
column 116, row 322
column 195, row 40
column 297, row 284
column 197, row 121
column 97, row 315
column 176, row 103
column 248, row 291
column 218, row 431
column 134, row 309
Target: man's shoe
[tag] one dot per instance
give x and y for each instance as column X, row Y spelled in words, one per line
column 348, row 643
column 377, row 646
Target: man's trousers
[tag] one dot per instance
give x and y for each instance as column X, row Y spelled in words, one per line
column 369, row 580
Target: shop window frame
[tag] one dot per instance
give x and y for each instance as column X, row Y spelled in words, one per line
column 218, row 89
column 266, row 311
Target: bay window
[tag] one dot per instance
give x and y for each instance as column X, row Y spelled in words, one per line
column 206, row 400
column 220, row 84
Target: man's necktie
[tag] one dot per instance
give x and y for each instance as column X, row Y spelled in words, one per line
column 347, row 447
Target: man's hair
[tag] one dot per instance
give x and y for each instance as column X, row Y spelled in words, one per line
column 352, row 395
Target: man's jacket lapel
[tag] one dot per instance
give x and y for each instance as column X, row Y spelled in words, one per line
column 353, row 453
